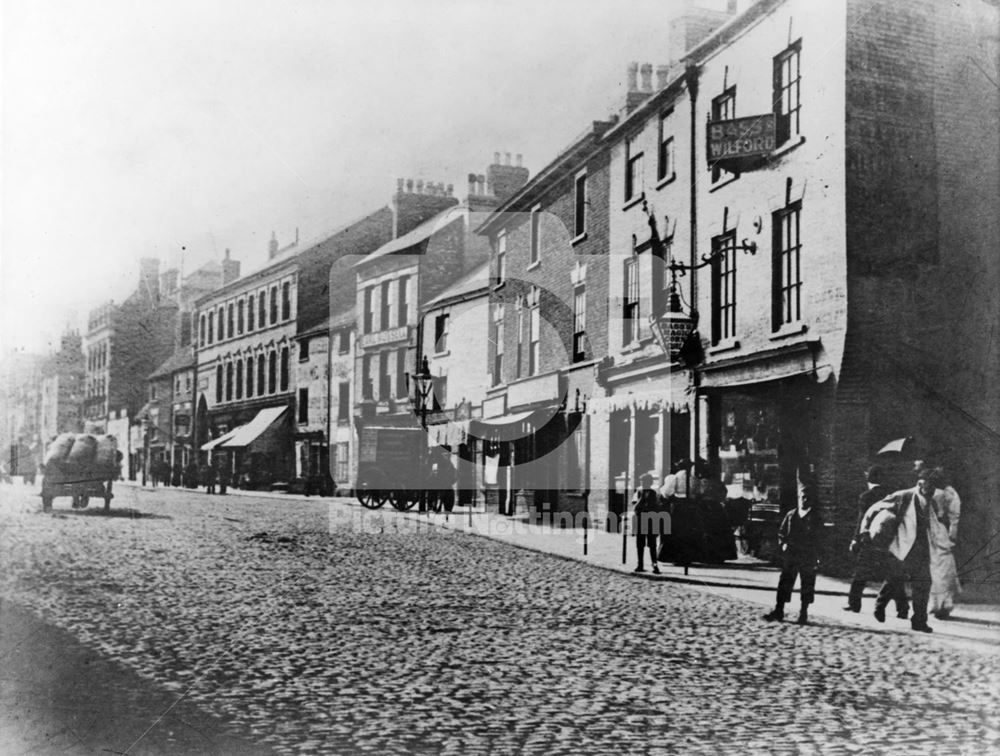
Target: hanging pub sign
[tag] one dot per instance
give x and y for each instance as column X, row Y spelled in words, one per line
column 740, row 142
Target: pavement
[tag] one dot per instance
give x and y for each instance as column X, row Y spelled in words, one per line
column 307, row 626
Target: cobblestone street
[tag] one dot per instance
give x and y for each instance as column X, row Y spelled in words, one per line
column 315, row 638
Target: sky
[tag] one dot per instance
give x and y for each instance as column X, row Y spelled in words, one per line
column 135, row 128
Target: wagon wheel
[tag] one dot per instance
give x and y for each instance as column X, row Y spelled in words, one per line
column 402, row 499
column 370, row 492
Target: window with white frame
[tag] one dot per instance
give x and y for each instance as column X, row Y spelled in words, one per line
column 534, row 331
column 385, row 305
column 665, row 167
column 724, row 287
column 535, row 231
column 501, row 257
column 786, row 273
column 633, row 170
column 369, row 312
column 786, row 96
column 497, row 338
column 441, row 333
column 580, row 205
column 403, row 310
column 724, row 109
column 250, row 312
column 630, row 301
column 579, row 322
column 519, row 306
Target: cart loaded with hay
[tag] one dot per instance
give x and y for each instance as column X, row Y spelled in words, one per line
column 80, row 465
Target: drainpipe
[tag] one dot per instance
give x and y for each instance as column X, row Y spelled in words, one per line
column 691, row 73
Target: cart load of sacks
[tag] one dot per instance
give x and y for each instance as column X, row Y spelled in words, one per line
column 83, row 454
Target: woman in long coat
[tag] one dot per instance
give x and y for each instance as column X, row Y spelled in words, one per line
column 943, row 534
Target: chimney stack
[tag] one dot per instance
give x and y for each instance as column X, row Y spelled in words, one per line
column 633, row 97
column 662, row 76
column 693, row 25
column 412, row 205
column 231, row 268
column 647, row 77
column 505, row 179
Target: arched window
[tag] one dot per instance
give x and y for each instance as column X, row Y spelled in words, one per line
column 201, row 331
column 229, row 382
column 211, row 329
column 239, row 316
column 272, row 372
column 274, row 305
column 239, row 379
column 261, row 309
column 286, row 300
column 284, row 369
column 249, row 377
column 250, row 312
column 219, row 327
column 261, row 388
column 218, row 383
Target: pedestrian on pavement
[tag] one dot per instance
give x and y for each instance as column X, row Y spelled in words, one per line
column 223, row 476
column 798, row 541
column 914, row 518
column 683, row 544
column 648, row 522
column 208, row 478
column 718, row 544
column 871, row 562
column 944, row 533
column 176, row 475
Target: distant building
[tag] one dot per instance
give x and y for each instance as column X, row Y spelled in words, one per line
column 63, row 376
column 123, row 345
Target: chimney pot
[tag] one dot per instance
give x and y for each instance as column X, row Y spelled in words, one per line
column 481, row 182
column 662, row 76
column 409, row 186
column 420, row 186
column 506, row 158
column 519, row 160
column 496, row 158
column 631, row 73
column 451, row 189
column 647, row 77
column 399, row 186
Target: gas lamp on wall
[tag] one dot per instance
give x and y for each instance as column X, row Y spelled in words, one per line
column 675, row 327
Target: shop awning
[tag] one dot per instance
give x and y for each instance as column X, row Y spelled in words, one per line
column 247, row 434
column 794, row 360
column 513, row 426
column 216, row 441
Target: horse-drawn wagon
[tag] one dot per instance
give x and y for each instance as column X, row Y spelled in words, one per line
column 80, row 466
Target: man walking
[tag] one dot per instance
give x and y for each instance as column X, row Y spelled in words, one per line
column 870, row 560
column 910, row 548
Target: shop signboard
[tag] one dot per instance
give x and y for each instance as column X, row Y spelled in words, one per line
column 740, row 142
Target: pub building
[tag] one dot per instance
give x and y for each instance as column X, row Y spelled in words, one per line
column 836, row 278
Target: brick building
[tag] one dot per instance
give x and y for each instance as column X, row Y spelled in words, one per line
column 123, row 345
column 394, row 284
column 549, row 314
column 873, row 215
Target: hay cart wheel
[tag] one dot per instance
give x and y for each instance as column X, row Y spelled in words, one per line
column 371, row 493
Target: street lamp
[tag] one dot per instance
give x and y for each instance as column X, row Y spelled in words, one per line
column 423, row 383
column 674, row 327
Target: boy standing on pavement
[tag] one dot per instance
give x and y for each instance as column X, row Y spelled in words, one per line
column 647, row 521
column 798, row 539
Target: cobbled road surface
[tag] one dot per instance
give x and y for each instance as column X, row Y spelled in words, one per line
column 313, row 635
